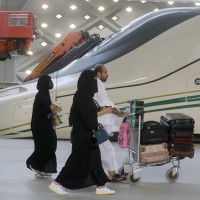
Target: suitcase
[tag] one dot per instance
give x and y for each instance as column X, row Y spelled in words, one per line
column 153, row 133
column 181, row 150
column 175, row 140
column 181, row 133
column 181, row 147
column 173, row 121
column 154, row 153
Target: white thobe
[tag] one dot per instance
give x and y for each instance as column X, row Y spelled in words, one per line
column 110, row 123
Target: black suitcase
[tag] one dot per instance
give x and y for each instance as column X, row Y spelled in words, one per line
column 181, row 133
column 153, row 133
column 173, row 121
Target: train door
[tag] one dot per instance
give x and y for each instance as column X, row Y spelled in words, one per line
column 22, row 118
column 193, row 89
column 193, row 99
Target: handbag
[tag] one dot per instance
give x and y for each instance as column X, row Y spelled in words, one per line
column 55, row 118
column 101, row 134
column 56, row 121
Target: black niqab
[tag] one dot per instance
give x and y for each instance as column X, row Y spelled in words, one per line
column 43, row 82
column 87, row 84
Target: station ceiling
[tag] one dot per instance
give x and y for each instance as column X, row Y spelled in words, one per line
column 83, row 8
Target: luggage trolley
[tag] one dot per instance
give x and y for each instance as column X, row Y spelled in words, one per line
column 132, row 167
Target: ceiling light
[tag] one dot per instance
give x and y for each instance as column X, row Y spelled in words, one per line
column 101, row 8
column 44, row 25
column 45, row 6
column 44, row 44
column 143, row 1
column 170, row 2
column 129, row 9
column 87, row 0
column 28, row 71
column 59, row 16
column 115, row 0
column 58, row 35
column 73, row 7
column 114, row 18
column 87, row 17
column 30, row 53
column 100, row 26
column 156, row 9
column 197, row 4
column 72, row 26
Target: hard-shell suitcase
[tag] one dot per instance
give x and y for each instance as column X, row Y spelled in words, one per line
column 181, row 133
column 154, row 153
column 181, row 147
column 182, row 140
column 172, row 121
column 153, row 133
column 181, row 150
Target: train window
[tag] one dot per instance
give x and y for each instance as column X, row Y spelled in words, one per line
column 12, row 91
column 18, row 19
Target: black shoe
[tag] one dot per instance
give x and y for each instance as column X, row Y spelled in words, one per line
column 118, row 178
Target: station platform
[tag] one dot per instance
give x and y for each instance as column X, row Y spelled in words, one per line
column 18, row 182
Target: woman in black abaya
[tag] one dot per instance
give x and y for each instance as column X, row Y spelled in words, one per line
column 43, row 160
column 83, row 167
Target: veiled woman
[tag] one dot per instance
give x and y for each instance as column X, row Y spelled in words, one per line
column 43, row 160
column 83, row 167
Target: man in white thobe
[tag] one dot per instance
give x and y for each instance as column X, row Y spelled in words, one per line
column 110, row 123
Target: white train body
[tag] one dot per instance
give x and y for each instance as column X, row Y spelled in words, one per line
column 156, row 59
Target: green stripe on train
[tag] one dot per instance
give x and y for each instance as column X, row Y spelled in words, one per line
column 173, row 108
column 147, row 105
column 172, row 101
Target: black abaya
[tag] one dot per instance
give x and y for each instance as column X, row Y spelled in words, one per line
column 45, row 141
column 83, row 167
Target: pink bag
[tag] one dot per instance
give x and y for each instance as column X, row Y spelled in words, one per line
column 124, row 134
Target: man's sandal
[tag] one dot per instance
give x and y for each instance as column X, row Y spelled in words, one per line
column 118, row 178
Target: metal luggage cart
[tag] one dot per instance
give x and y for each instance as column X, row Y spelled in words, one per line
column 132, row 167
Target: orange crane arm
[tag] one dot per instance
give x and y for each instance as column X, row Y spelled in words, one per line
column 73, row 38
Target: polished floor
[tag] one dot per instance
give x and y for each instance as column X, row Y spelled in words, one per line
column 17, row 182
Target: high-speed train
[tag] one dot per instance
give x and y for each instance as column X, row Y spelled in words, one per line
column 156, row 58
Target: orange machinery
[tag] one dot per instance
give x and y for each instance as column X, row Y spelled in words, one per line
column 69, row 41
column 16, row 32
